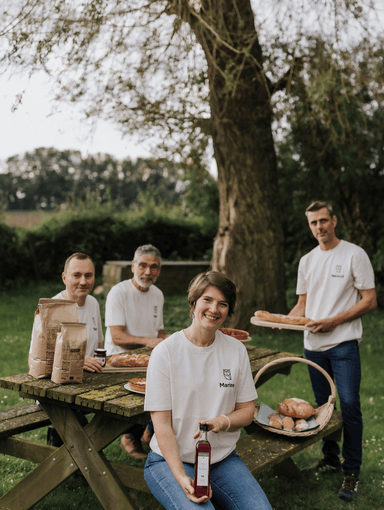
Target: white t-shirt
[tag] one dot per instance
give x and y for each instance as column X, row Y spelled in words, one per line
column 140, row 312
column 90, row 315
column 332, row 280
column 198, row 383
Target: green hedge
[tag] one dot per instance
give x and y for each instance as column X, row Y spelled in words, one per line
column 40, row 253
column 13, row 258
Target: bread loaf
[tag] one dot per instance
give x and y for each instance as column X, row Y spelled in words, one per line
column 282, row 319
column 288, row 423
column 275, row 421
column 128, row 360
column 295, row 408
column 301, row 425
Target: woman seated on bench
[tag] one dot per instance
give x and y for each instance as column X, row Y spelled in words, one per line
column 200, row 375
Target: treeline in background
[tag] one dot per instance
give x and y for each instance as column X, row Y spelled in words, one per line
column 107, row 207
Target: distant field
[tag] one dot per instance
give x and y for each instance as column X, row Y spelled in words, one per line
column 26, row 218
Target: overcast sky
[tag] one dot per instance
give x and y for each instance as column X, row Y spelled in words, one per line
column 33, row 124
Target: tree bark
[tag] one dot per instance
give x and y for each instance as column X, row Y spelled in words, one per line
column 249, row 244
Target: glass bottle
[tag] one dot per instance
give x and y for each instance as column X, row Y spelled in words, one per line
column 202, row 464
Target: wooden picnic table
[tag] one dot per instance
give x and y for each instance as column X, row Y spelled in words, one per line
column 114, row 409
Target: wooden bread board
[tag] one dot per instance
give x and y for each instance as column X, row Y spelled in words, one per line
column 109, row 369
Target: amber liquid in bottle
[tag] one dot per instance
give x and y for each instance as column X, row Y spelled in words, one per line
column 202, row 464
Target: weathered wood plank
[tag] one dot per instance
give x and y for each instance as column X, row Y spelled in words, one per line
column 260, row 352
column 129, row 405
column 14, row 382
column 23, row 423
column 96, row 399
column 20, row 410
column 37, row 387
column 91, row 382
column 25, row 449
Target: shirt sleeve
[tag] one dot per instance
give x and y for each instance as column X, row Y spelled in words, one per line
column 301, row 286
column 161, row 319
column 246, row 385
column 114, row 308
column 158, row 387
column 100, row 327
column 363, row 275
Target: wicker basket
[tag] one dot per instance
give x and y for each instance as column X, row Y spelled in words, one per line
column 322, row 414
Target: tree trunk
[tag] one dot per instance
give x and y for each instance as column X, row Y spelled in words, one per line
column 249, row 243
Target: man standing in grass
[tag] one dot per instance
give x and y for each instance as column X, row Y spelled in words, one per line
column 336, row 287
column 134, row 318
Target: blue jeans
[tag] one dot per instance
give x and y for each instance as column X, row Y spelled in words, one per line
column 233, row 486
column 343, row 364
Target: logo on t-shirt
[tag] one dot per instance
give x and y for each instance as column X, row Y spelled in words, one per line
column 338, row 271
column 227, row 374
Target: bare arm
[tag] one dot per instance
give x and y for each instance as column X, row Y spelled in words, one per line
column 162, row 422
column 366, row 304
column 299, row 309
column 125, row 340
column 239, row 418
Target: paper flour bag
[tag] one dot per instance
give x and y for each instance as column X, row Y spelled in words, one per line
column 50, row 314
column 68, row 363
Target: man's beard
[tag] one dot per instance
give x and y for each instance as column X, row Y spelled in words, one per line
column 146, row 284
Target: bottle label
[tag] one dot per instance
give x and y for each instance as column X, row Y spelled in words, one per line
column 202, row 469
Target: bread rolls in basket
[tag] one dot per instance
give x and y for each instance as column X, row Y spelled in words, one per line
column 296, row 410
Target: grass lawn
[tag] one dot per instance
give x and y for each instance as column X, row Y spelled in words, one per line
column 314, row 492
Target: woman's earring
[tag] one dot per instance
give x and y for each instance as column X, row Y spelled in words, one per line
column 192, row 315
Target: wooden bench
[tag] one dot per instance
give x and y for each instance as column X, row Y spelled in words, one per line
column 22, row 419
column 260, row 449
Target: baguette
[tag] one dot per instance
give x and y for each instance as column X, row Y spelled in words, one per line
column 281, row 319
column 128, row 360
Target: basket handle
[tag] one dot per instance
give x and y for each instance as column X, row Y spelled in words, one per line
column 332, row 397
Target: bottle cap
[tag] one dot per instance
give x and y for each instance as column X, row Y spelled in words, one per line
column 204, row 427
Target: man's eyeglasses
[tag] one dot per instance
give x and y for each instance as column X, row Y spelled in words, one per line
column 153, row 268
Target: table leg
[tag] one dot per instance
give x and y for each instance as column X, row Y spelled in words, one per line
column 86, row 455
column 43, row 479
column 59, row 465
